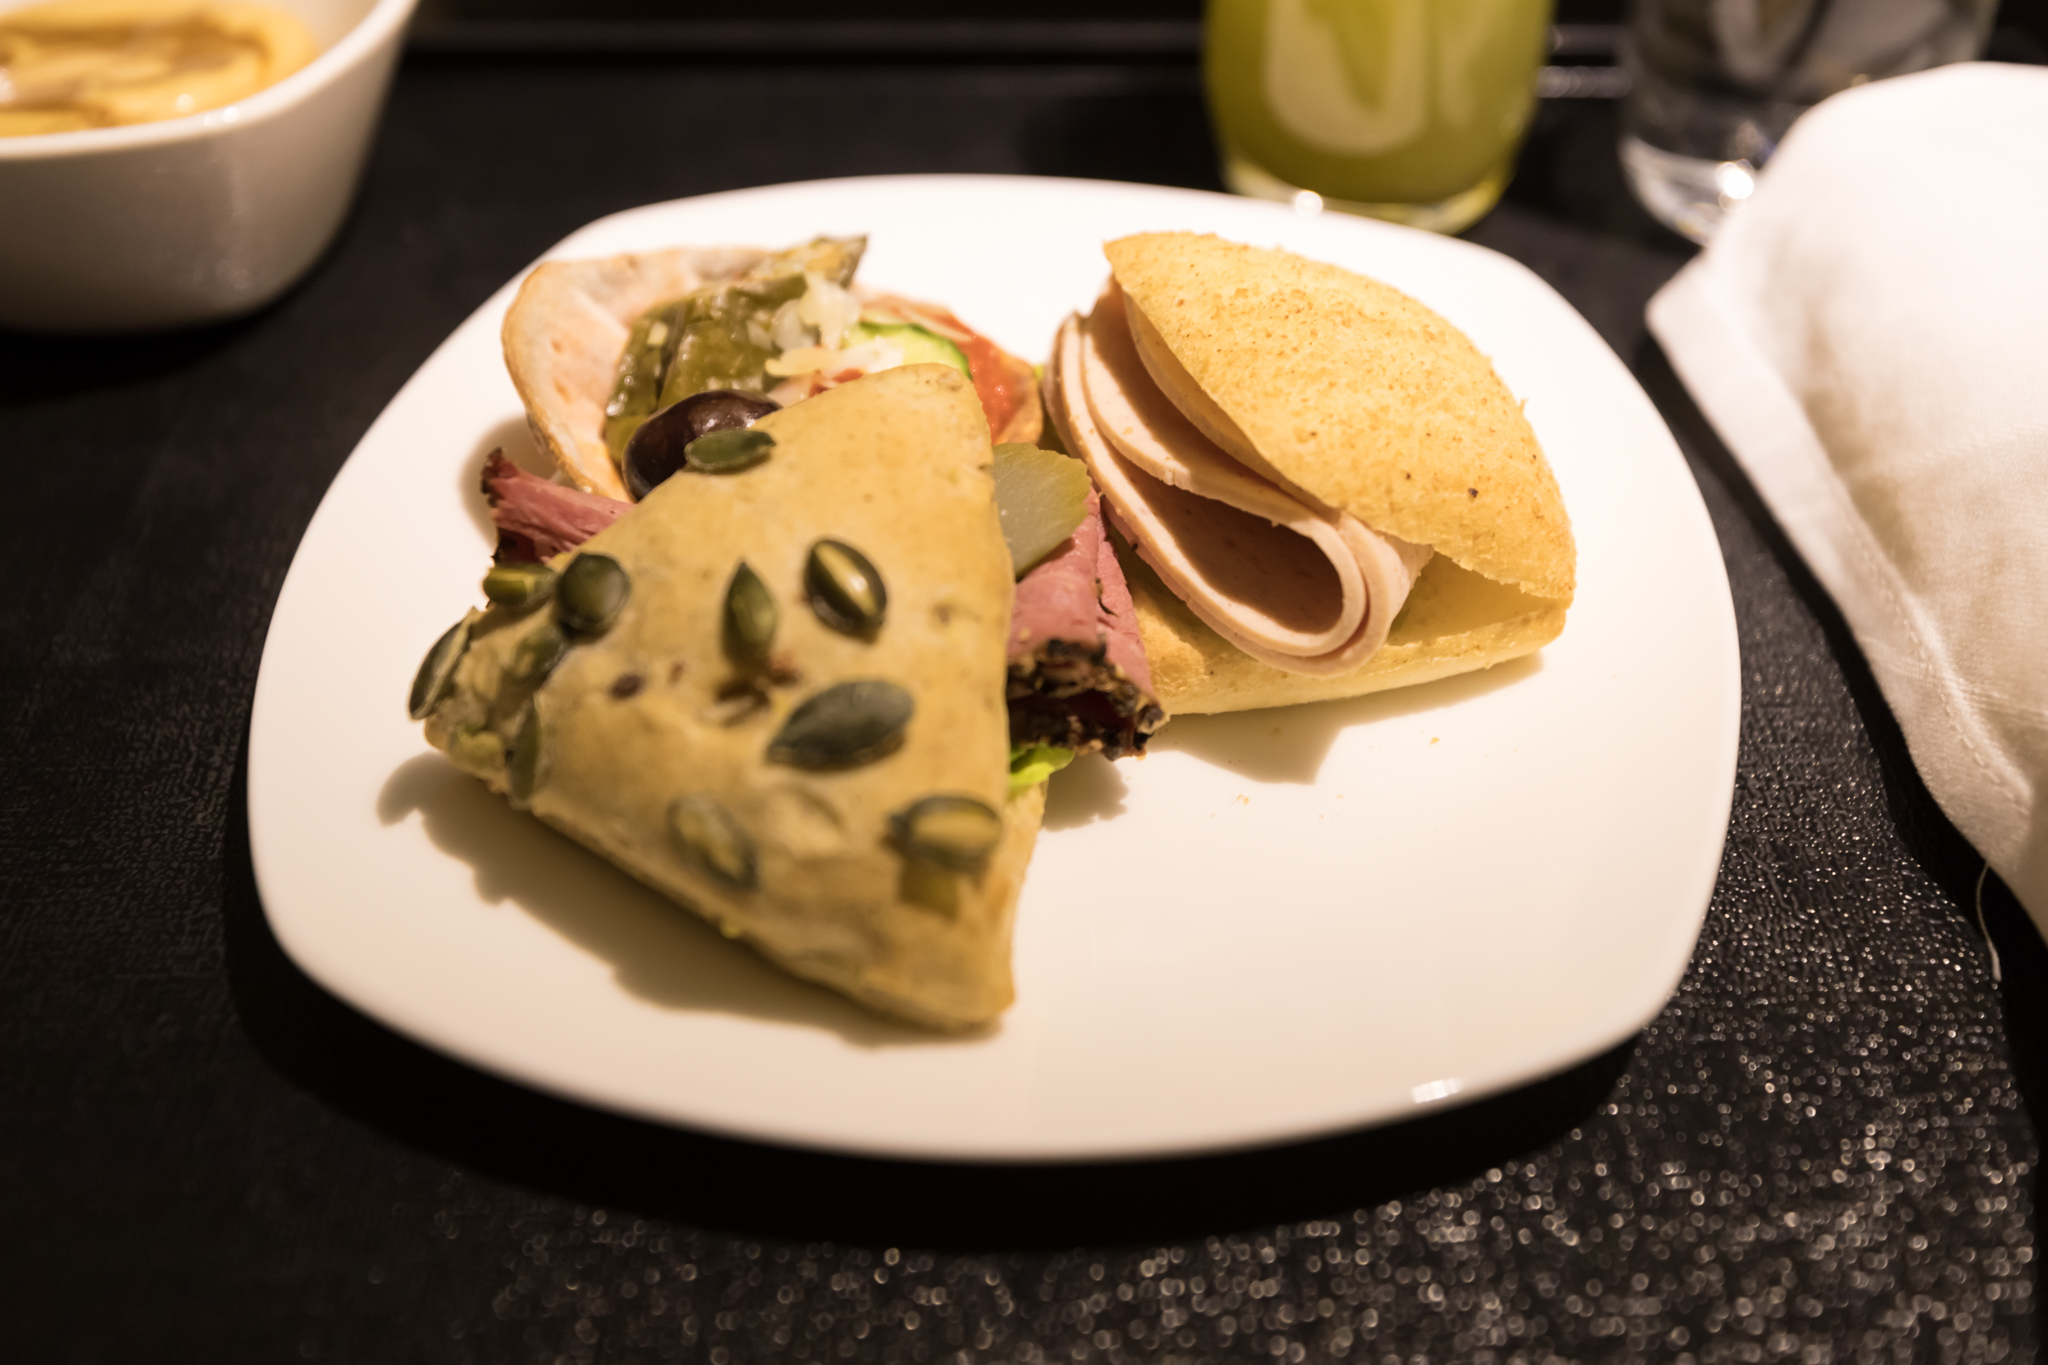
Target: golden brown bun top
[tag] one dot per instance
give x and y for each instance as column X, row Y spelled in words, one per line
column 1360, row 397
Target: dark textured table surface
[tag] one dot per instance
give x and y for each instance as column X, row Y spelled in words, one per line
column 1822, row 1149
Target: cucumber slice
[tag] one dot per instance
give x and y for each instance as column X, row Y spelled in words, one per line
column 919, row 346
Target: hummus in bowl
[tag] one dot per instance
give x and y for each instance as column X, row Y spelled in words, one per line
column 127, row 214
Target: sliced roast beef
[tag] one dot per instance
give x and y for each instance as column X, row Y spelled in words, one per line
column 538, row 518
column 1078, row 674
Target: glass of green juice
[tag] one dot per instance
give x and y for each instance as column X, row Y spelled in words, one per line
column 1409, row 110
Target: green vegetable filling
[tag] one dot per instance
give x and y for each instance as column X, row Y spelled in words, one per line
column 1031, row 764
column 715, row 338
column 920, row 346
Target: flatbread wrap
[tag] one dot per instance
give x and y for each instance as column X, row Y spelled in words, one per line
column 596, row 346
column 824, row 779
column 1326, row 488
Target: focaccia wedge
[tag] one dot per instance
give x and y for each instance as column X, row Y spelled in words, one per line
column 665, row 741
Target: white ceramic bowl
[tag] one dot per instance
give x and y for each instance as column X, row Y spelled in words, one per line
column 197, row 218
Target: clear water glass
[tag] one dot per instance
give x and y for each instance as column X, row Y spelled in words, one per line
column 1716, row 83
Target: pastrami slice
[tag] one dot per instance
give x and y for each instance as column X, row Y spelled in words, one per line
column 1078, row 677
column 538, row 518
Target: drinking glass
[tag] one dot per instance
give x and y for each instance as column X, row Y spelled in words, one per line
column 1410, row 110
column 1714, row 84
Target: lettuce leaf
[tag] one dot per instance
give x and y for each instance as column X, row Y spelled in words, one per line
column 1031, row 764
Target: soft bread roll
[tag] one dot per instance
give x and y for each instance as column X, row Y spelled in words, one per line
column 1357, row 395
column 897, row 465
column 1350, row 395
column 1290, row 582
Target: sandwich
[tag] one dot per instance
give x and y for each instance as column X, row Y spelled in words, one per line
column 774, row 690
column 1326, row 488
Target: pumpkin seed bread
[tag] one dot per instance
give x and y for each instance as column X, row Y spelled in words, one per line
column 764, row 764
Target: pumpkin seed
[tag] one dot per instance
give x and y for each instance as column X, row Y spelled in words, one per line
column 519, row 586
column 845, row 589
column 728, row 451
column 710, row 839
column 437, row 670
column 844, row 726
column 955, row 832
column 523, row 769
column 473, row 747
column 592, row 592
column 537, row 655
column 750, row 615
column 929, row 885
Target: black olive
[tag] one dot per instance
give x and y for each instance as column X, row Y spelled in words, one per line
column 656, row 450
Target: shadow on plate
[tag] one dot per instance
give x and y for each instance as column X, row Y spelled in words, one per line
column 1290, row 744
column 425, row 1100
column 1086, row 790
column 658, row 951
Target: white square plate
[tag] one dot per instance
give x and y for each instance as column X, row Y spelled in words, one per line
column 1278, row 924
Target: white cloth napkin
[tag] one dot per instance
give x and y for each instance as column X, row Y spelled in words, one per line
column 1869, row 336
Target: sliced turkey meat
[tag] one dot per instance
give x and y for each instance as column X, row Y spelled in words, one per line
column 1289, row 581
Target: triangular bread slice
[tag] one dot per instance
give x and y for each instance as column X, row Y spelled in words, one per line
column 1347, row 392
column 896, row 465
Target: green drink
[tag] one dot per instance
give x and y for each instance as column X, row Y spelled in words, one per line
column 1403, row 109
